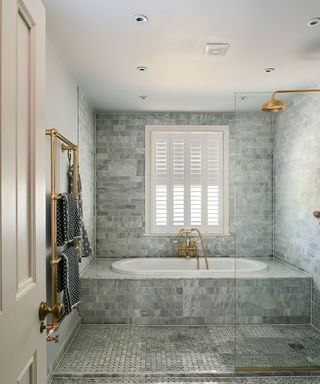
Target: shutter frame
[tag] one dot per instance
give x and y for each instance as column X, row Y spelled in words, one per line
column 177, row 134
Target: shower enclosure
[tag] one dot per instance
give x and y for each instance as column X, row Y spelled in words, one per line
column 277, row 157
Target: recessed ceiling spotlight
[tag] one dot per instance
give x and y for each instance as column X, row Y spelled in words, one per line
column 144, row 98
column 141, row 18
column 269, row 70
column 314, row 22
column 141, row 68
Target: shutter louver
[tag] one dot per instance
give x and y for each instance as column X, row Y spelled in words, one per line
column 178, row 159
column 162, row 159
column 195, row 205
column 195, row 159
column 178, row 149
column 161, row 205
column 161, row 183
column 178, row 205
column 213, row 182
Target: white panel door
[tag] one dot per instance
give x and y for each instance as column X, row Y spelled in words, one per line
column 22, row 192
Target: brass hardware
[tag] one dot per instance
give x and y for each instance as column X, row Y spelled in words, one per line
column 275, row 105
column 42, row 327
column 190, row 248
column 56, row 261
column 49, row 328
column 316, row 214
column 202, row 246
column 56, row 310
column 180, row 248
column 53, row 338
column 65, row 147
column 45, row 310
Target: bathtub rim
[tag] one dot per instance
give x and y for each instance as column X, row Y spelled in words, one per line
column 192, row 273
column 100, row 268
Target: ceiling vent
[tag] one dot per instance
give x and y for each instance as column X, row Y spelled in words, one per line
column 216, row 49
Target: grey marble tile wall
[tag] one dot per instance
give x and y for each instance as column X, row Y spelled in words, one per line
column 195, row 301
column 87, row 165
column 297, row 188
column 120, row 184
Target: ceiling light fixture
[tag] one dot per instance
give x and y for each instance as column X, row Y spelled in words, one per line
column 144, row 98
column 269, row 70
column 216, row 49
column 141, row 18
column 141, row 68
column 314, row 22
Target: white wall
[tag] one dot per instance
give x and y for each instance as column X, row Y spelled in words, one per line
column 62, row 114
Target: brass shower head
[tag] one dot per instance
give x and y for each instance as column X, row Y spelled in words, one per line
column 275, row 105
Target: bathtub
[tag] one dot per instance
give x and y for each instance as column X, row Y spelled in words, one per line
column 173, row 266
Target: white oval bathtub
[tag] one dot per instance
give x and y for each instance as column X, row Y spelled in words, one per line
column 172, row 266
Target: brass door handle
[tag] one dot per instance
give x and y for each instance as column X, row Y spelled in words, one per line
column 45, row 310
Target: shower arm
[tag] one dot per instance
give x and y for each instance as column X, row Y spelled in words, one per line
column 294, row 91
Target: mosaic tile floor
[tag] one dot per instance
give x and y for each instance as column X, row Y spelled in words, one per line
column 130, row 350
column 167, row 380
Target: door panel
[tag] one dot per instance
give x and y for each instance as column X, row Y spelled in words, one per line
column 23, row 153
column 22, row 192
column 27, row 376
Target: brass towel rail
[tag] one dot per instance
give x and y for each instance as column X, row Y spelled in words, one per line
column 56, row 309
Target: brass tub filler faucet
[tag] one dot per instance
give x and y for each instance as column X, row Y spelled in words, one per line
column 189, row 248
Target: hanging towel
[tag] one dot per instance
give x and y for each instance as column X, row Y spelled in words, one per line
column 85, row 246
column 68, row 279
column 68, row 219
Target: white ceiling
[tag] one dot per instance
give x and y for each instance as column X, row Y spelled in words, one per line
column 102, row 45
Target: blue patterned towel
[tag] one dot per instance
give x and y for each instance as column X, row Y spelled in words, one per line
column 68, row 279
column 68, row 219
column 85, row 246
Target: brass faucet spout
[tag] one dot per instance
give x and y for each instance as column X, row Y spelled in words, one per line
column 190, row 248
column 202, row 246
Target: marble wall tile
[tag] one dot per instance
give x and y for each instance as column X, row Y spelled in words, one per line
column 120, row 184
column 296, row 189
column 87, row 166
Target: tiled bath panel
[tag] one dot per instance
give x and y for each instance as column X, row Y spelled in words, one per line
column 205, row 380
column 121, row 184
column 280, row 295
column 116, row 351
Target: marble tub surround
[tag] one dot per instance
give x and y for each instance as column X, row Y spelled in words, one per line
column 121, row 184
column 279, row 295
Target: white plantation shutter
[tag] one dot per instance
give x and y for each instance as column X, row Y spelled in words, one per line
column 188, row 180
